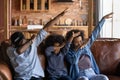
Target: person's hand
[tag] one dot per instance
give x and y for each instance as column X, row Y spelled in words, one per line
column 57, row 48
column 108, row 15
column 61, row 14
column 75, row 34
column 54, row 19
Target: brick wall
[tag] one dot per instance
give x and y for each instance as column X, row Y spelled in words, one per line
column 74, row 11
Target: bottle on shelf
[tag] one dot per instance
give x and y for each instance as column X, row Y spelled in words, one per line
column 25, row 21
column 41, row 22
column 20, row 21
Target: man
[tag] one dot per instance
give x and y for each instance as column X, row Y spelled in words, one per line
column 23, row 53
column 82, row 63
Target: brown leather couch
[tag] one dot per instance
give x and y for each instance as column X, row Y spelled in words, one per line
column 106, row 52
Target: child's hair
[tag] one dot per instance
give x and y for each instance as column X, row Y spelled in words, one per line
column 69, row 34
column 54, row 38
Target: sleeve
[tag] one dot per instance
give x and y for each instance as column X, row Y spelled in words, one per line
column 40, row 37
column 70, row 58
column 65, row 49
column 49, row 50
column 14, row 56
column 95, row 33
column 11, row 52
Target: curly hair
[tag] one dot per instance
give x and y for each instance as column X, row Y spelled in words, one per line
column 69, row 34
column 54, row 38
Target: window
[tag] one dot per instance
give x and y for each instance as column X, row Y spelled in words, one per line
column 111, row 28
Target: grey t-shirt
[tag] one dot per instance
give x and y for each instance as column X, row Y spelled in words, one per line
column 84, row 62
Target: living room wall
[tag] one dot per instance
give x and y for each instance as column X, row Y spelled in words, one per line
column 74, row 11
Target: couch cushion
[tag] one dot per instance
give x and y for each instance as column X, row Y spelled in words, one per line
column 112, row 77
column 4, row 59
column 107, row 54
column 3, row 53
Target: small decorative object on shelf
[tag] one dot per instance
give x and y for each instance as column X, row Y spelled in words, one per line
column 68, row 22
column 25, row 21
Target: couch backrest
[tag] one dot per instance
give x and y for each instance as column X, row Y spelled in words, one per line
column 5, row 66
column 3, row 55
column 107, row 54
column 5, row 73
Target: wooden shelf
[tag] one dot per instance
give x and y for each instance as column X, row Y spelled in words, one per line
column 63, row 29
column 55, row 29
column 18, row 27
column 69, row 26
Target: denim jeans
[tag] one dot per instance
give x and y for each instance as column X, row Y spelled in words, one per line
column 32, row 78
column 59, row 78
column 89, row 74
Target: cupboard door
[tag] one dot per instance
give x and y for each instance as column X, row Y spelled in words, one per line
column 46, row 4
column 35, row 5
column 32, row 3
column 24, row 5
column 39, row 2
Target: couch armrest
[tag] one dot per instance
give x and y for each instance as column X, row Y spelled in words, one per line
column 5, row 73
column 117, row 71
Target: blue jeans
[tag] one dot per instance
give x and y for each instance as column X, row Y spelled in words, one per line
column 32, row 78
column 89, row 74
column 59, row 78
